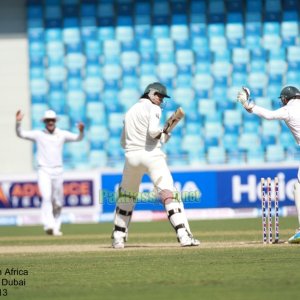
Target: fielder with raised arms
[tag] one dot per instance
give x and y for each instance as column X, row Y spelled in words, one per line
column 141, row 139
column 50, row 143
column 290, row 113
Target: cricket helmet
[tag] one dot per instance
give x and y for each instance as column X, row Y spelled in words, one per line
column 288, row 93
column 157, row 87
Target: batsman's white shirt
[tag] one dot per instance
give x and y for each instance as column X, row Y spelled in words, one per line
column 49, row 146
column 141, row 126
column 290, row 113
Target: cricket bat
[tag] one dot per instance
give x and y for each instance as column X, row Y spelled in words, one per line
column 173, row 120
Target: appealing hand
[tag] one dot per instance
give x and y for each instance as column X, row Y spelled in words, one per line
column 19, row 116
column 80, row 126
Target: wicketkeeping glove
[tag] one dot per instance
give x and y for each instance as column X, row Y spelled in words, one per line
column 243, row 97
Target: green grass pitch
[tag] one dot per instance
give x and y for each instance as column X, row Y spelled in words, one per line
column 231, row 263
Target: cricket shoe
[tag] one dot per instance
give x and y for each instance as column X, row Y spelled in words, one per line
column 49, row 231
column 118, row 240
column 186, row 240
column 57, row 233
column 295, row 239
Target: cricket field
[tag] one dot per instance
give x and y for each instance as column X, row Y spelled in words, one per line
column 231, row 263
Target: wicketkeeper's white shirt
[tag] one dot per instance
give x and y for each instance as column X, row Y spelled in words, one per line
column 49, row 146
column 290, row 113
column 142, row 126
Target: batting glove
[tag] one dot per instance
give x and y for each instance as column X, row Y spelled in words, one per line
column 165, row 137
column 244, row 98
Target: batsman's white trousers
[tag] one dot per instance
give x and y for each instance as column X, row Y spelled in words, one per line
column 139, row 162
column 50, row 181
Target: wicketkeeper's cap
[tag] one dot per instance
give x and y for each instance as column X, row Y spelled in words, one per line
column 158, row 87
column 49, row 114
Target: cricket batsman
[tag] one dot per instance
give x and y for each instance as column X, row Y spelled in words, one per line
column 290, row 113
column 141, row 139
column 50, row 143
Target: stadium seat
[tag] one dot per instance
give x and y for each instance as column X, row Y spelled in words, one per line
column 255, row 156
column 97, row 159
column 275, row 153
column 216, row 155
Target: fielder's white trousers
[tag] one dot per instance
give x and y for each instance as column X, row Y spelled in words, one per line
column 50, row 181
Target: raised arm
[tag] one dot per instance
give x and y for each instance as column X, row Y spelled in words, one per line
column 24, row 134
column 72, row 137
column 244, row 98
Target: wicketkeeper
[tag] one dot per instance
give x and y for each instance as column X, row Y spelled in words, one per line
column 141, row 139
column 50, row 143
column 290, row 113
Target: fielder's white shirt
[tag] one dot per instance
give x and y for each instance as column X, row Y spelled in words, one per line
column 141, row 126
column 49, row 145
column 290, row 113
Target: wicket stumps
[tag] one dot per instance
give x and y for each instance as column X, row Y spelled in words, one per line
column 266, row 209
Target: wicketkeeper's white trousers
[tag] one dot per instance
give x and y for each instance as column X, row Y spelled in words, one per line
column 50, row 181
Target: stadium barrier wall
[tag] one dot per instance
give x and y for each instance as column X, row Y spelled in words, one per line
column 208, row 193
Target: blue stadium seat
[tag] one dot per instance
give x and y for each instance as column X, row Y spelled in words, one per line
column 63, row 122
column 39, row 87
column 78, row 152
column 89, row 30
column 275, row 153
column 287, row 140
column 57, row 101
column 97, row 136
column 179, row 32
column 290, row 28
column 55, row 49
column 111, row 51
column 185, row 97
column 128, row 97
column 240, row 56
column 192, row 143
column 166, row 71
column 111, row 72
column 95, row 112
column 255, row 156
column 216, row 155
column 37, row 113
column 293, row 57
column 193, row 127
column 271, row 35
column 292, row 78
column 232, row 118
column 207, row 106
column 115, row 123
column 106, row 32
column 93, row 85
column 184, row 58
column 235, row 29
column 130, row 59
column 124, row 33
column 257, row 80
column 230, row 141
column 248, row 141
column 53, row 12
column 272, row 6
column 97, row 159
column 213, row 129
column 75, row 60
